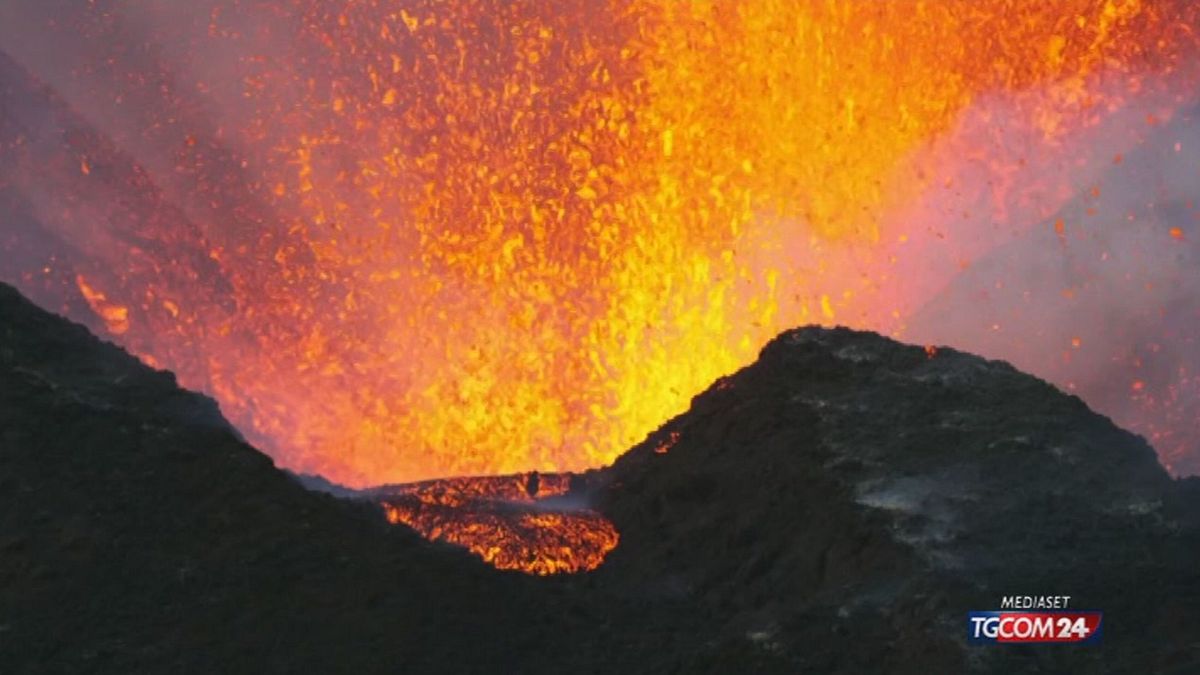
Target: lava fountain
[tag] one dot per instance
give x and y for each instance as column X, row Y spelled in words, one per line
column 406, row 240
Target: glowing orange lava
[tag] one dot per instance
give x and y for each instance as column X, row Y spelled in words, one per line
column 421, row 239
column 508, row 521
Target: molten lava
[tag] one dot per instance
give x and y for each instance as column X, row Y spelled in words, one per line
column 404, row 240
column 511, row 522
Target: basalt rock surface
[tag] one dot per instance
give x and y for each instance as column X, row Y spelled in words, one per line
column 844, row 501
column 836, row 507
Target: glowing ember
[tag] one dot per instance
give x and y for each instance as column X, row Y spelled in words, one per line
column 510, row 522
column 406, row 240
column 116, row 317
column 665, row 445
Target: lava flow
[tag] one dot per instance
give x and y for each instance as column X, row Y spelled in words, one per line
column 522, row 522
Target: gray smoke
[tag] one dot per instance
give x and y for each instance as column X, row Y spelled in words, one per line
column 1106, row 305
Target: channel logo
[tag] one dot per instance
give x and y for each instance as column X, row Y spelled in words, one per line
column 1037, row 626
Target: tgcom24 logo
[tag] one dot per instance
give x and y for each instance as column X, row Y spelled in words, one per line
column 1025, row 619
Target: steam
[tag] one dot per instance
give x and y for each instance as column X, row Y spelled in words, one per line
column 1101, row 296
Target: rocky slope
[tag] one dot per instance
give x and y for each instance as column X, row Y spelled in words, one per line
column 836, row 507
column 846, row 500
column 139, row 534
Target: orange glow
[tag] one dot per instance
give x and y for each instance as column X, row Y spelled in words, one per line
column 665, row 446
column 477, row 237
column 115, row 317
column 504, row 521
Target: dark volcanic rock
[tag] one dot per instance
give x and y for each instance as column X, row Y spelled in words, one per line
column 835, row 508
column 138, row 534
column 843, row 502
